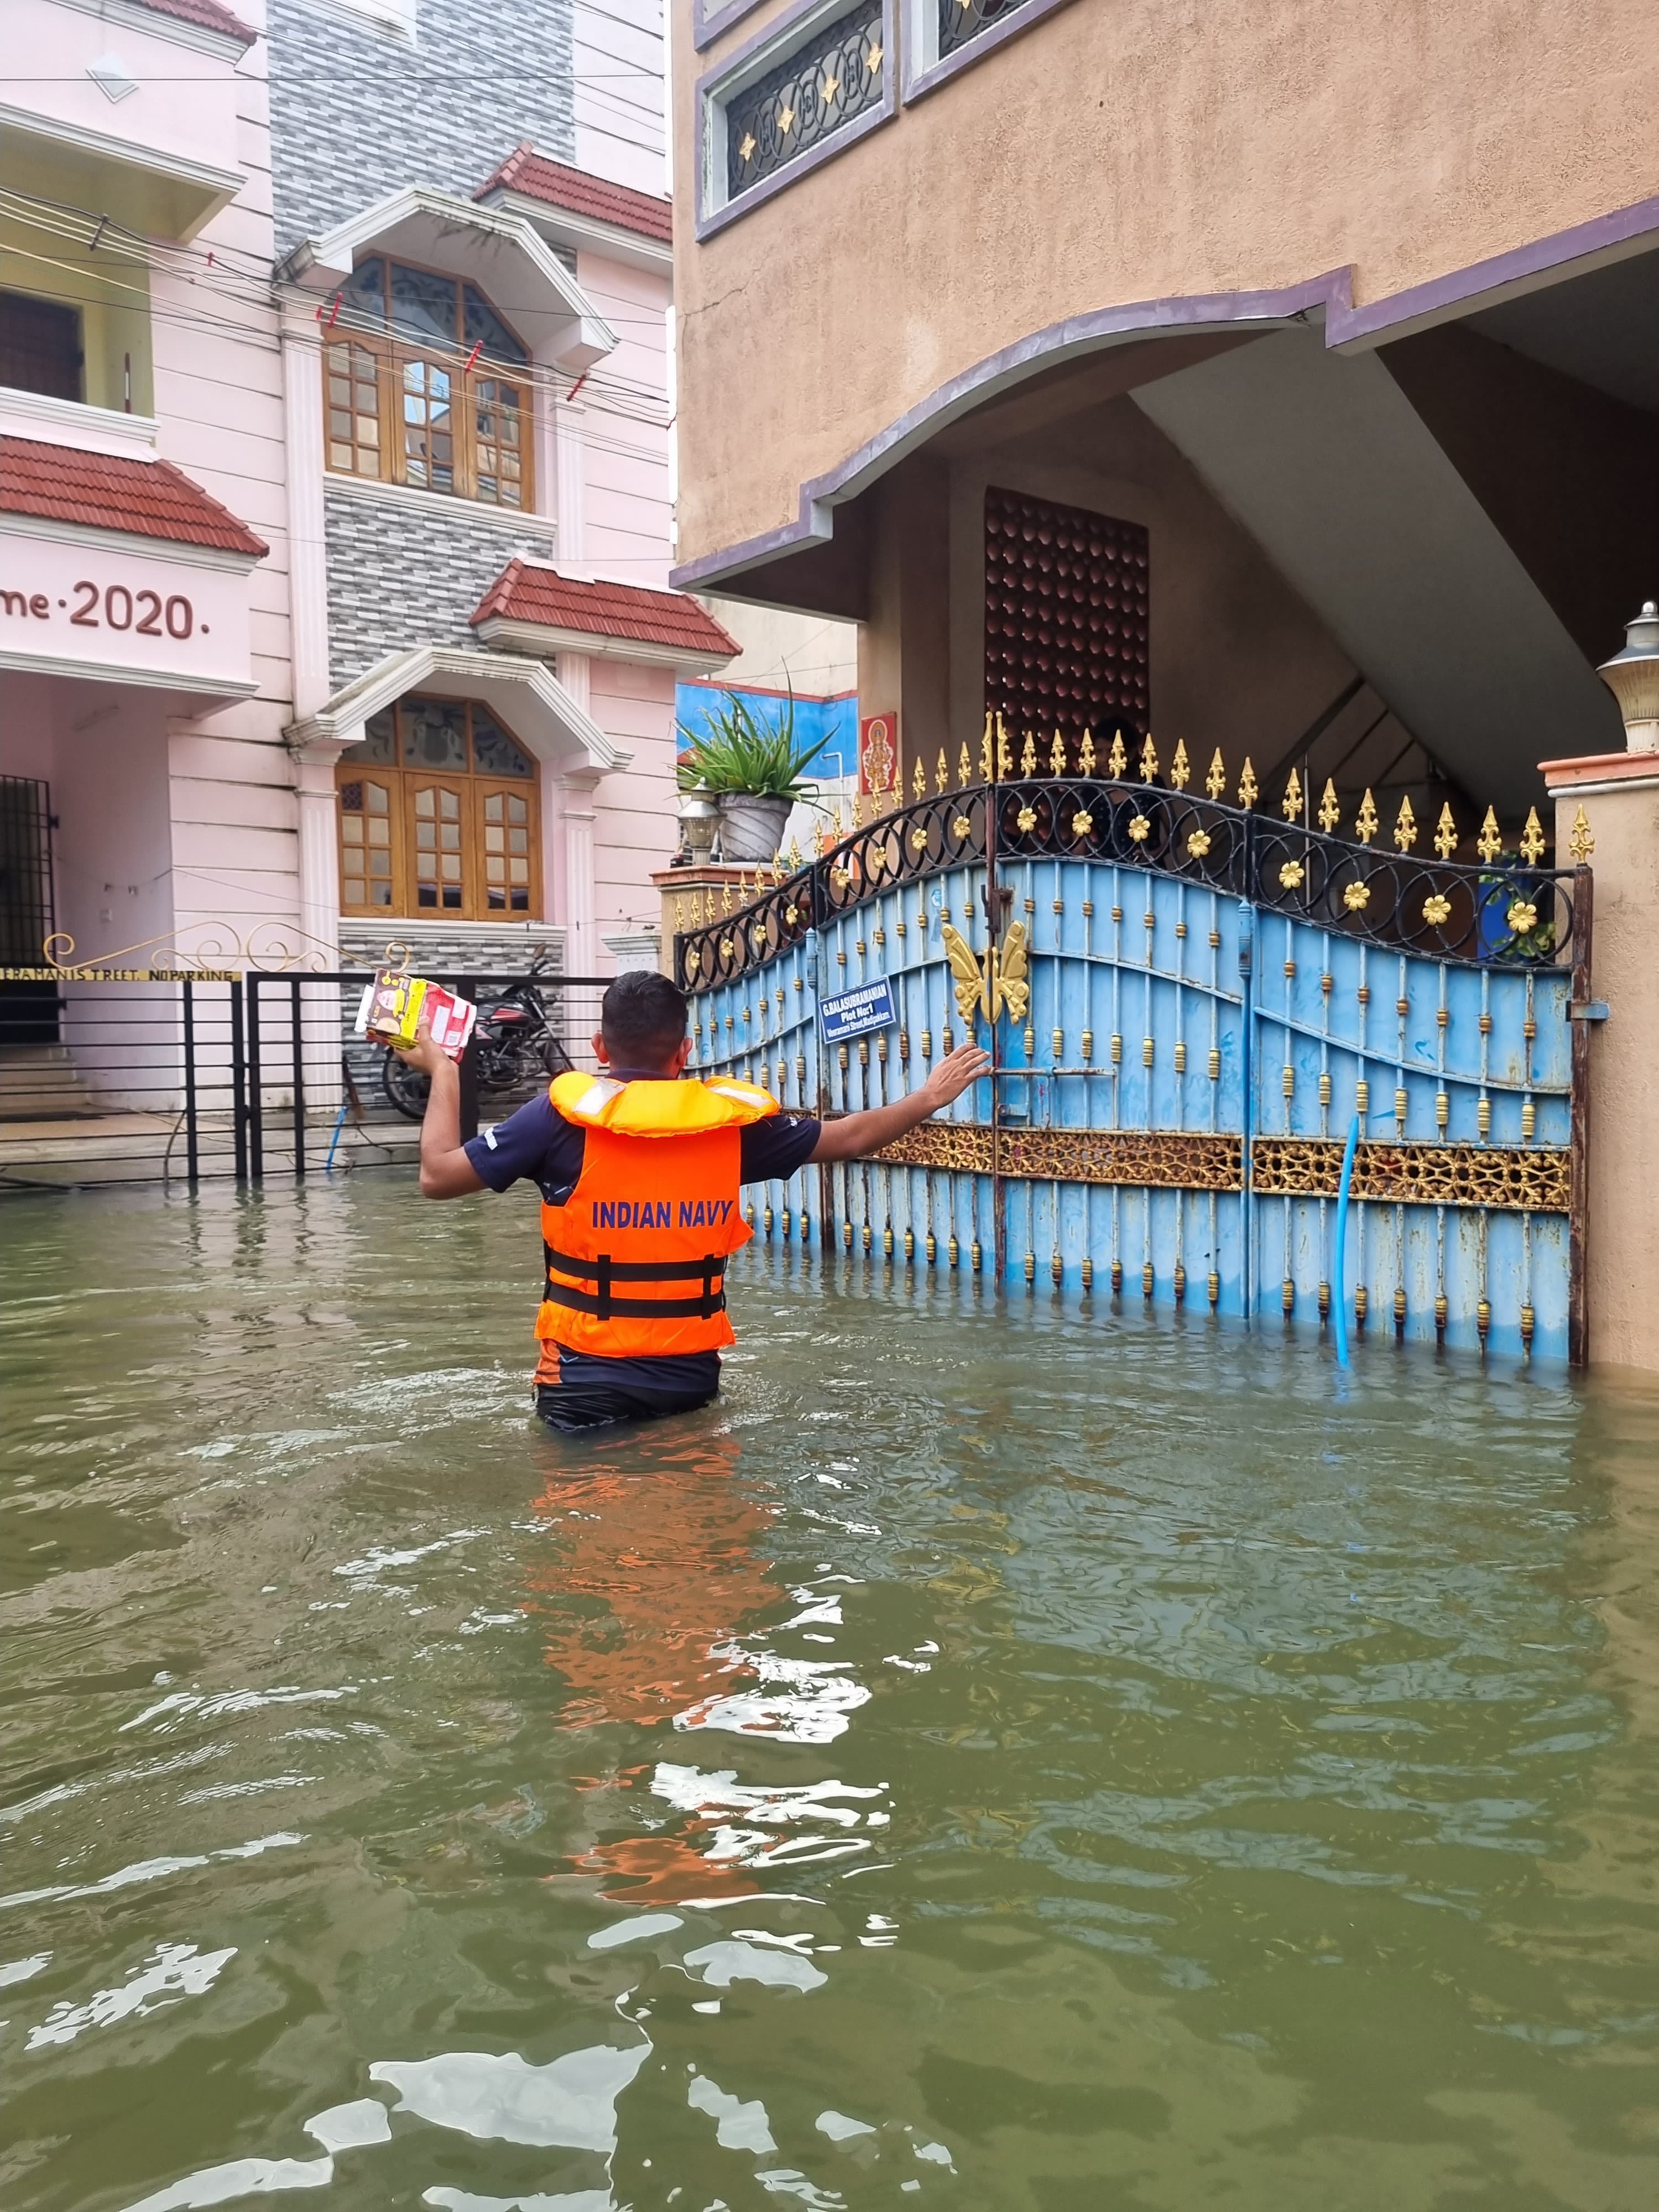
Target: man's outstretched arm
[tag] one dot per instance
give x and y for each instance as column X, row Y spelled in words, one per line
column 856, row 1134
column 445, row 1170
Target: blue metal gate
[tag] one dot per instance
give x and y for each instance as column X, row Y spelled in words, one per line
column 1188, row 1004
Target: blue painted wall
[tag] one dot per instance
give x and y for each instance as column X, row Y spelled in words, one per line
column 837, row 719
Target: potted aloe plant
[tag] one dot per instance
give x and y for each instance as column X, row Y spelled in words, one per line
column 757, row 769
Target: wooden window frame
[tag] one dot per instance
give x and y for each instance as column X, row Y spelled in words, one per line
column 477, row 785
column 393, row 354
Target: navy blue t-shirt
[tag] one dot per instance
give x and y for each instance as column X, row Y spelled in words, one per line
column 537, row 1145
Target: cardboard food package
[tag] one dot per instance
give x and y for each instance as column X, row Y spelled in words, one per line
column 393, row 1006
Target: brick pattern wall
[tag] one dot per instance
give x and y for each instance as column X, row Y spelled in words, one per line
column 399, row 575
column 358, row 111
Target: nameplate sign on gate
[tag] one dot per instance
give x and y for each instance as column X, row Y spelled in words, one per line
column 855, row 1013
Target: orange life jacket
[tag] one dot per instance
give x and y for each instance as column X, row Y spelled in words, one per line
column 636, row 1254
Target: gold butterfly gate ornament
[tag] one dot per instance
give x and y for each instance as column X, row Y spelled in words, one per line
column 1004, row 981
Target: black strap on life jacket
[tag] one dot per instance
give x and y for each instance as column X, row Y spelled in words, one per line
column 602, row 1271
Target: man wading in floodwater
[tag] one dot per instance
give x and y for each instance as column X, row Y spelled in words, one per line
column 640, row 1169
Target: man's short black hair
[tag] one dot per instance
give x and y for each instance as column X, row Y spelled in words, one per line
column 642, row 1019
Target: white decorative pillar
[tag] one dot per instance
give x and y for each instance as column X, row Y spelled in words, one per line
column 570, row 448
column 308, row 554
column 319, row 914
column 319, row 850
column 576, row 677
column 576, row 873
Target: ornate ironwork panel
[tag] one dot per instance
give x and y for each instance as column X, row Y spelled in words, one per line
column 1187, row 1010
column 961, row 21
column 820, row 88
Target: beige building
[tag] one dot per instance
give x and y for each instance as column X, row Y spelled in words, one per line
column 1352, row 314
column 1283, row 380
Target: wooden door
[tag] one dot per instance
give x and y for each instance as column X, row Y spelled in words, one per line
column 369, row 856
column 437, row 819
column 507, row 838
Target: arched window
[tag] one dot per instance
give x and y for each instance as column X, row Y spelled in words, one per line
column 439, row 815
column 423, row 384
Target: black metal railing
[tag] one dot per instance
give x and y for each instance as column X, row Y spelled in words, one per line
column 1506, row 909
column 148, row 1076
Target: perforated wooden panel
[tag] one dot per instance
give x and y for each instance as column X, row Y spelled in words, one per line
column 1066, row 618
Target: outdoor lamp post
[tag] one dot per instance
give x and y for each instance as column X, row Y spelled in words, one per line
column 1632, row 677
column 699, row 816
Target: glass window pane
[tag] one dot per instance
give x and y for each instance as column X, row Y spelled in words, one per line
column 351, row 800
column 493, row 753
column 423, row 305
column 501, row 414
column 378, row 744
column 483, row 327
column 429, row 440
column 363, row 292
column 434, row 736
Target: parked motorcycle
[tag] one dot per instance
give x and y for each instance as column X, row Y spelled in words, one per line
column 516, row 1048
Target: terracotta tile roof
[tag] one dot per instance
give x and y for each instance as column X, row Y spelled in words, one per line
column 206, row 15
column 526, row 171
column 105, row 491
column 527, row 594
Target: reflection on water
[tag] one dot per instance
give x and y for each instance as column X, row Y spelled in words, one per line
column 1008, row 1758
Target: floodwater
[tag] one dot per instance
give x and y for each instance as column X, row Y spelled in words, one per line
column 1019, row 1757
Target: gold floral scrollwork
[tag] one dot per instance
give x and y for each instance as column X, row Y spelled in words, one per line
column 1199, row 843
column 962, row 826
column 1149, row 1159
column 1140, row 829
column 1522, row 917
column 918, row 838
column 1437, row 909
column 1083, row 822
column 1027, row 818
column 1291, row 875
column 1357, row 898
column 1511, row 1180
column 1581, row 839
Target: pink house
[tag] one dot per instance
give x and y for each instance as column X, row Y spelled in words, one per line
column 335, row 518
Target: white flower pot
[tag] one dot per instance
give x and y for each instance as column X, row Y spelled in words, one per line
column 750, row 828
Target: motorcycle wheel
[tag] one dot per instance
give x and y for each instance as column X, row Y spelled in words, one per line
column 405, row 1086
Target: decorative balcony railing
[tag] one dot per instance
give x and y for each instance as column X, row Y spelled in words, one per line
column 961, row 21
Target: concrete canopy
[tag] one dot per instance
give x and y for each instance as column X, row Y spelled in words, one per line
column 502, row 254
column 525, row 694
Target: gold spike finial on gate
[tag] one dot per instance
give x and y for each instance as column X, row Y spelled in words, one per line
column 942, row 771
column 1581, row 840
column 1004, row 749
column 1085, row 759
column 987, row 757
column 1028, row 755
column 680, row 916
column 919, row 779
column 1405, row 828
column 1445, row 834
column 725, row 896
column 1489, row 843
column 1181, row 768
column 1330, row 810
column 1249, row 789
column 1057, row 756
column 1117, row 760
column 964, row 768
column 1293, row 798
column 1364, row 822
column 1148, row 760
column 1531, row 838
column 1216, row 783
column 794, row 856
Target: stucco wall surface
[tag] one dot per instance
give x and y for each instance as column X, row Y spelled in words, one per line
column 1124, row 151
